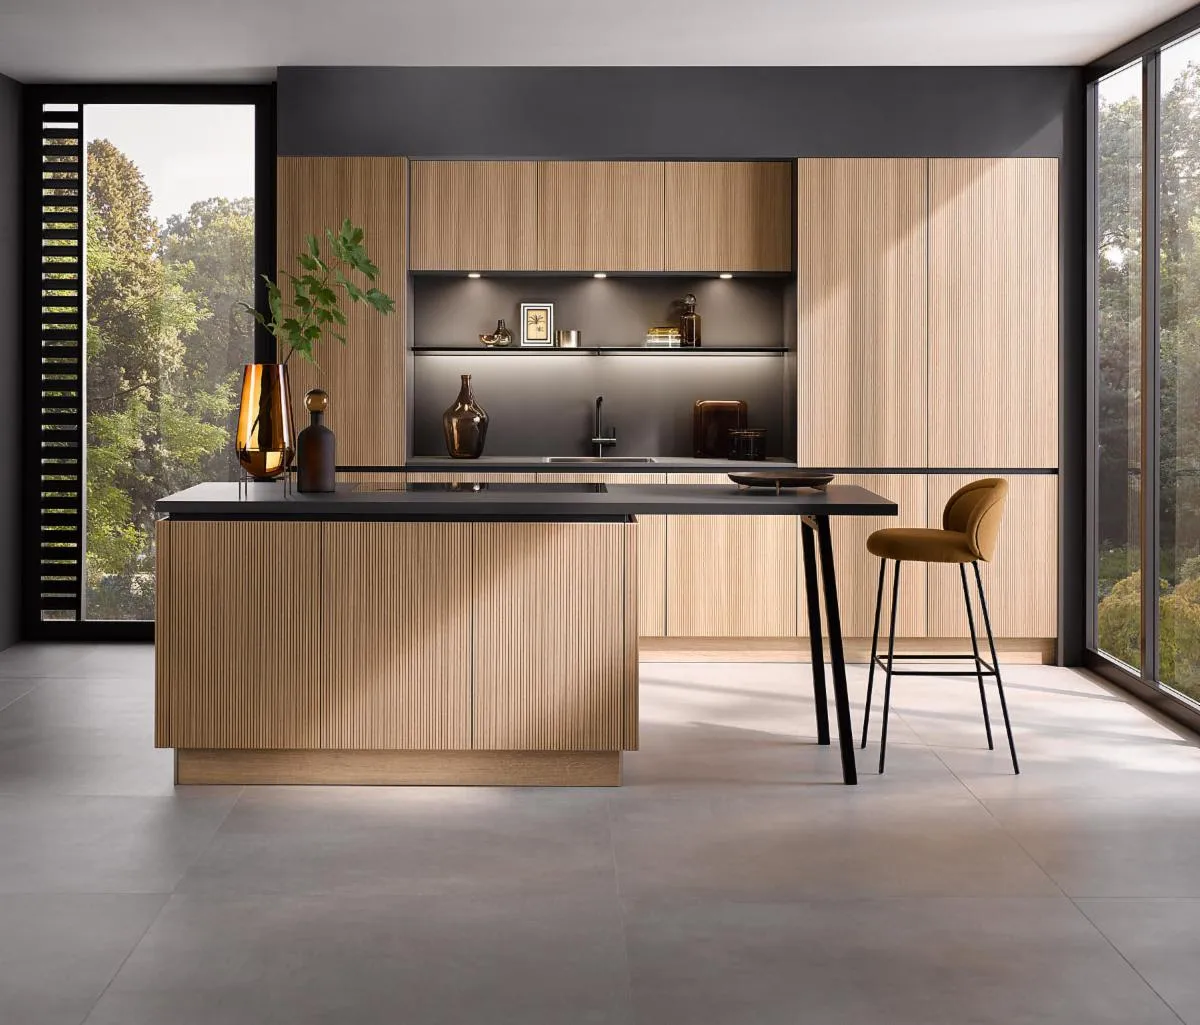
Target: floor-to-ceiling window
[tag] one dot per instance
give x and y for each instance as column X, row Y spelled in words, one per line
column 149, row 248
column 1146, row 363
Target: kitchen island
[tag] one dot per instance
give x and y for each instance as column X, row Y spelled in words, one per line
column 429, row 633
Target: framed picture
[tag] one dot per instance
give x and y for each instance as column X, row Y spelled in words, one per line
column 537, row 324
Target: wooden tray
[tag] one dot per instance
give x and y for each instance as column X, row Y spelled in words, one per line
column 781, row 479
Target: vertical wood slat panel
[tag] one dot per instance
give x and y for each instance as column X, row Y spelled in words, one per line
column 728, row 216
column 993, row 312
column 395, row 636
column 239, row 615
column 730, row 576
column 1021, row 582
column 858, row 570
column 862, row 252
column 365, row 377
column 601, row 215
column 629, row 735
column 549, row 661
column 474, row 215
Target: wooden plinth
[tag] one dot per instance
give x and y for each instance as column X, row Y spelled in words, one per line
column 399, row 768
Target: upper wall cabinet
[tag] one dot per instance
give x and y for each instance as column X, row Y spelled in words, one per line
column 861, row 364
column 364, row 377
column 729, row 216
column 993, row 313
column 474, row 215
column 601, row 215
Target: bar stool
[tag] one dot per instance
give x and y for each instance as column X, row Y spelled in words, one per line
column 970, row 529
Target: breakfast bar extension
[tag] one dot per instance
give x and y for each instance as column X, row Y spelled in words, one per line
column 432, row 633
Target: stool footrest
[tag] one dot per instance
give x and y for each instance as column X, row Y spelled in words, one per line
column 980, row 667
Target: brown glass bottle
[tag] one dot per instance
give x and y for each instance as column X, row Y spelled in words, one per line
column 315, row 449
column 465, row 424
column 689, row 322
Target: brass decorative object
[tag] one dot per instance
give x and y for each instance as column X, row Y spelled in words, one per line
column 465, row 424
column 266, row 439
column 501, row 338
column 316, row 460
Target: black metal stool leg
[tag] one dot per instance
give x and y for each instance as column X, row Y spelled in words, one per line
column 987, row 719
column 887, row 683
column 812, row 593
column 874, row 649
column 987, row 623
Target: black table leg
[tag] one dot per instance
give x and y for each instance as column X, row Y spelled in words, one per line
column 841, row 696
column 813, row 595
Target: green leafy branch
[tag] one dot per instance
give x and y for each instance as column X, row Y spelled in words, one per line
column 315, row 307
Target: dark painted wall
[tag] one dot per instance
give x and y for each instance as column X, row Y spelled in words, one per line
column 10, row 360
column 738, row 113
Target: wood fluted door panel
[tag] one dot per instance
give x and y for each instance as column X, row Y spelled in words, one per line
column 993, row 312
column 550, row 661
column 858, row 570
column 729, row 216
column 601, row 215
column 238, row 625
column 474, row 215
column 730, row 576
column 364, row 377
column 1021, row 582
column 861, row 361
column 395, row 636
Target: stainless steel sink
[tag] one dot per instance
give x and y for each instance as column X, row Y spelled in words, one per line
column 600, row 459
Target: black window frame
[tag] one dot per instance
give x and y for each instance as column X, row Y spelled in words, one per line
column 34, row 97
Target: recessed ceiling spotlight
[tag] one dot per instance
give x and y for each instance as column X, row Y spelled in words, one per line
column 474, row 274
column 726, row 276
column 599, row 274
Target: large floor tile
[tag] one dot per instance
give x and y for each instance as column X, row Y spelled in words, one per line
column 1160, row 939
column 375, row 961
column 410, row 841
column 84, row 736
column 42, row 659
column 55, row 844
column 16, row 687
column 1110, row 847
column 121, row 661
column 777, row 849
column 59, row 951
column 881, row 962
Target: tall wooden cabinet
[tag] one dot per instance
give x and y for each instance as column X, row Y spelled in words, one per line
column 474, row 215
column 364, row 378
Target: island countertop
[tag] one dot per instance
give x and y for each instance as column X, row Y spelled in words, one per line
column 231, row 501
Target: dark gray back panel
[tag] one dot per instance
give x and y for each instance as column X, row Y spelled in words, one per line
column 673, row 113
column 544, row 404
column 610, row 311
column 10, row 359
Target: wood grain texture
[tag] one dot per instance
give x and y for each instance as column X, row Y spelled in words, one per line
column 474, row 215
column 601, row 215
column 730, row 576
column 395, row 636
column 400, row 768
column 549, row 652
column 237, row 635
column 631, row 707
column 365, row 377
column 993, row 312
column 465, row 475
column 858, row 570
column 1021, row 583
column 729, row 216
column 861, row 280
column 1022, row 650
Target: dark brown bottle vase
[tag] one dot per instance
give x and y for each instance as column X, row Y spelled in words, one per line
column 316, row 461
column 465, row 424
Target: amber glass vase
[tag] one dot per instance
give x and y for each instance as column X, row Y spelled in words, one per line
column 266, row 438
column 465, row 424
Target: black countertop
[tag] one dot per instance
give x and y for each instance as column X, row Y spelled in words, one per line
column 230, row 501
column 611, row 464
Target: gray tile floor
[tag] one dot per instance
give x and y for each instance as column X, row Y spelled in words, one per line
column 732, row 880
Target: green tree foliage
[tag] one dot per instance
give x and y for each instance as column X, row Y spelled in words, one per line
column 162, row 352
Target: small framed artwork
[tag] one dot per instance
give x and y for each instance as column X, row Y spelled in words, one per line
column 537, row 324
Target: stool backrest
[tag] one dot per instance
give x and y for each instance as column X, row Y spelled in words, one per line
column 975, row 510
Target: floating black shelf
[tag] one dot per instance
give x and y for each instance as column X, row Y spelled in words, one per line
column 602, row 350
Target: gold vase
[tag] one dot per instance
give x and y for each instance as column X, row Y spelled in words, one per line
column 266, row 437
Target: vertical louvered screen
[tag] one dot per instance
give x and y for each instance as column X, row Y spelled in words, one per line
column 59, row 363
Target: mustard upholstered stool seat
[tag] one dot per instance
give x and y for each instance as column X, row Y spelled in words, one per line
column 970, row 530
